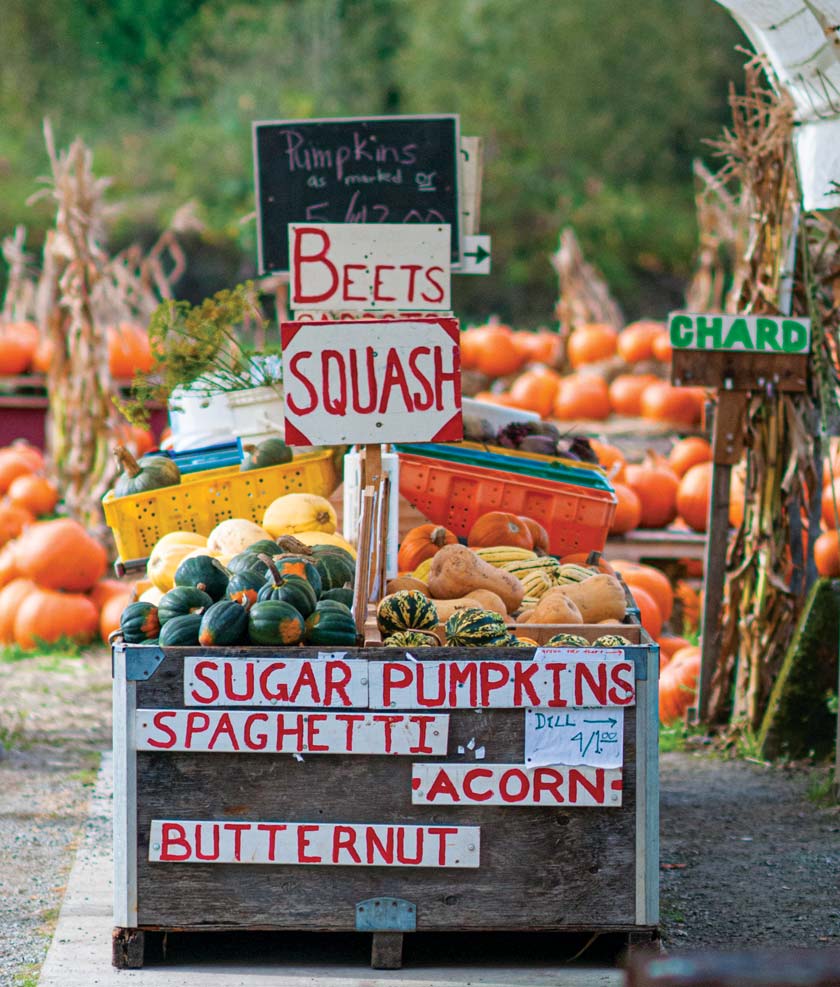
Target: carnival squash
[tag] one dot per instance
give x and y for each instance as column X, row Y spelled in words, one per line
column 476, row 628
column 411, row 639
column 405, row 610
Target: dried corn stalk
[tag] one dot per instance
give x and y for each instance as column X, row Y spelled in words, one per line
column 19, row 299
column 765, row 585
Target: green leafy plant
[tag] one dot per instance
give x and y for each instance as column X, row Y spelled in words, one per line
column 198, row 347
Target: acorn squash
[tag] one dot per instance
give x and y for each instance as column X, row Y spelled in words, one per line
column 224, row 622
column 205, row 573
column 331, row 623
column 269, row 452
column 244, row 587
column 336, row 566
column 275, row 622
column 340, row 594
column 150, row 473
column 291, row 589
column 139, row 622
column 180, row 632
column 295, row 565
column 182, row 600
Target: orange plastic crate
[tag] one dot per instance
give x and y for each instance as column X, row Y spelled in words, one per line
column 456, row 495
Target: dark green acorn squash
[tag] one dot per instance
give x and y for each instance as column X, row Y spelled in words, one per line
column 244, row 587
column 291, row 589
column 269, row 452
column 331, row 623
column 407, row 609
column 150, row 473
column 336, row 567
column 476, row 628
column 205, row 573
column 339, row 595
column 139, row 622
column 225, row 622
column 275, row 622
column 294, row 565
column 181, row 600
column 180, row 632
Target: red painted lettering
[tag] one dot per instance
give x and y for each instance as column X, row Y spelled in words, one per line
column 556, row 668
column 469, row 790
column 394, row 377
column 196, row 723
column 388, row 725
column 173, row 835
column 412, row 279
column 590, row 684
column 237, row 829
column 334, row 405
column 437, row 293
column 441, row 833
column 426, row 400
column 272, row 829
column 523, row 689
column 281, row 694
column 510, row 794
column 312, row 731
column 402, row 856
column 424, row 669
column 466, row 675
column 442, row 785
column 224, row 727
column 453, row 376
column 214, row 853
column 295, row 731
column 303, row 377
column 344, row 838
column 351, row 719
column 303, row 843
column 624, row 687
column 548, row 780
column 347, row 283
column 595, row 789
column 374, row 845
column 232, row 671
column 338, row 675
column 319, row 258
column 258, row 742
column 157, row 722
column 490, row 684
column 202, row 672
column 377, row 283
column 422, row 726
column 394, row 676
column 355, row 378
column 306, row 680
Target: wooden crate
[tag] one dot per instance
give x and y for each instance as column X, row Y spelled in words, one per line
column 567, row 869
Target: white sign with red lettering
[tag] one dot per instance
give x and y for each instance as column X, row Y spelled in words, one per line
column 372, row 381
column 574, row 736
column 514, row 784
column 501, row 684
column 370, row 266
column 350, row 844
column 275, row 682
column 276, row 732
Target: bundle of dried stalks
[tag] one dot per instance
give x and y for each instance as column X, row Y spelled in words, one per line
column 584, row 295
column 19, row 299
column 715, row 210
column 766, row 565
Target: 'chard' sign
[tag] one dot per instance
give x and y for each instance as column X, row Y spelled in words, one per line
column 739, row 333
column 372, row 381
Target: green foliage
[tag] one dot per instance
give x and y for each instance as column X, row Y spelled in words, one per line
column 591, row 113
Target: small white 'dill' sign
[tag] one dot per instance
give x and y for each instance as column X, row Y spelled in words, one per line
column 593, row 737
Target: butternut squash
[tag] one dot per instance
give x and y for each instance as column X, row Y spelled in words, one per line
column 446, row 608
column 598, row 598
column 555, row 608
column 456, row 570
column 406, row 582
column 488, row 600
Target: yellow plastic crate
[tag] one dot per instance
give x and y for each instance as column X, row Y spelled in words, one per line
column 201, row 500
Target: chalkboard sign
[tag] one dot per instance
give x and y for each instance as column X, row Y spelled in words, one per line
column 354, row 170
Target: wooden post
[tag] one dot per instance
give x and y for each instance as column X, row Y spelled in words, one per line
column 727, row 443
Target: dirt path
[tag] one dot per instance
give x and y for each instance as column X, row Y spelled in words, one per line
column 748, row 858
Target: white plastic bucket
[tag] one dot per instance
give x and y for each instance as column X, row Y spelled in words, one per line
column 198, row 419
column 256, row 413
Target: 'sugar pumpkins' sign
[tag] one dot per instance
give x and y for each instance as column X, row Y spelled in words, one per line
column 372, row 381
column 400, row 169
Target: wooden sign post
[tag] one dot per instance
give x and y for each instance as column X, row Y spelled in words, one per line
column 737, row 355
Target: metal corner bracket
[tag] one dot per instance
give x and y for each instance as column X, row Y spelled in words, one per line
column 386, row 915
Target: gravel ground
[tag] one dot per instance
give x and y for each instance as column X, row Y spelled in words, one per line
column 747, row 858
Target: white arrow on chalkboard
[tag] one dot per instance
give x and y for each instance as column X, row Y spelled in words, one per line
column 475, row 255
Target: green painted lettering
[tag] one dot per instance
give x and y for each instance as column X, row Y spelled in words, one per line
column 738, row 333
column 709, row 330
column 794, row 336
column 682, row 331
column 765, row 336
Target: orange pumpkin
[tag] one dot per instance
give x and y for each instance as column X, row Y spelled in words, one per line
column 538, row 534
column 690, row 603
column 470, row 344
column 110, row 613
column 626, row 392
column 669, row 645
column 688, row 452
column 45, row 616
column 661, row 347
column 664, row 403
column 12, row 596
column 538, row 347
column 107, row 588
column 611, row 458
column 635, row 342
column 678, row 684
column 582, row 397
column 650, row 579
column 422, row 543
column 15, row 352
column 139, row 345
column 693, row 496
column 591, row 343
column 656, row 486
column 12, row 465
column 60, row 554
column 33, row 493
column 827, row 553
column 500, row 528
column 649, row 613
column 42, row 358
column 497, row 352
column 32, row 454
column 8, row 563
column 13, row 519
column 628, row 511
column 536, row 390
column 830, row 497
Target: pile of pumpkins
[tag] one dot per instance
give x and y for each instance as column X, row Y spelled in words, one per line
column 285, row 582
column 613, row 372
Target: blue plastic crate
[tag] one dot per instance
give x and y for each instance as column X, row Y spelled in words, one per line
column 207, row 457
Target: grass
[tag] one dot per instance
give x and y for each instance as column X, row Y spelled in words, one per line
column 821, row 788
column 675, row 736
column 27, row 976
column 13, row 730
column 64, row 647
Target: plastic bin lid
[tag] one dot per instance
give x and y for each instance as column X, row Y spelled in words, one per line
column 497, row 457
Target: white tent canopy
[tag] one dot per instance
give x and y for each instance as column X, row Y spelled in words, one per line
column 801, row 40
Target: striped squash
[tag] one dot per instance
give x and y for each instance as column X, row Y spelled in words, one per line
column 411, row 639
column 407, row 609
column 476, row 628
column 568, row 641
column 610, row 641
